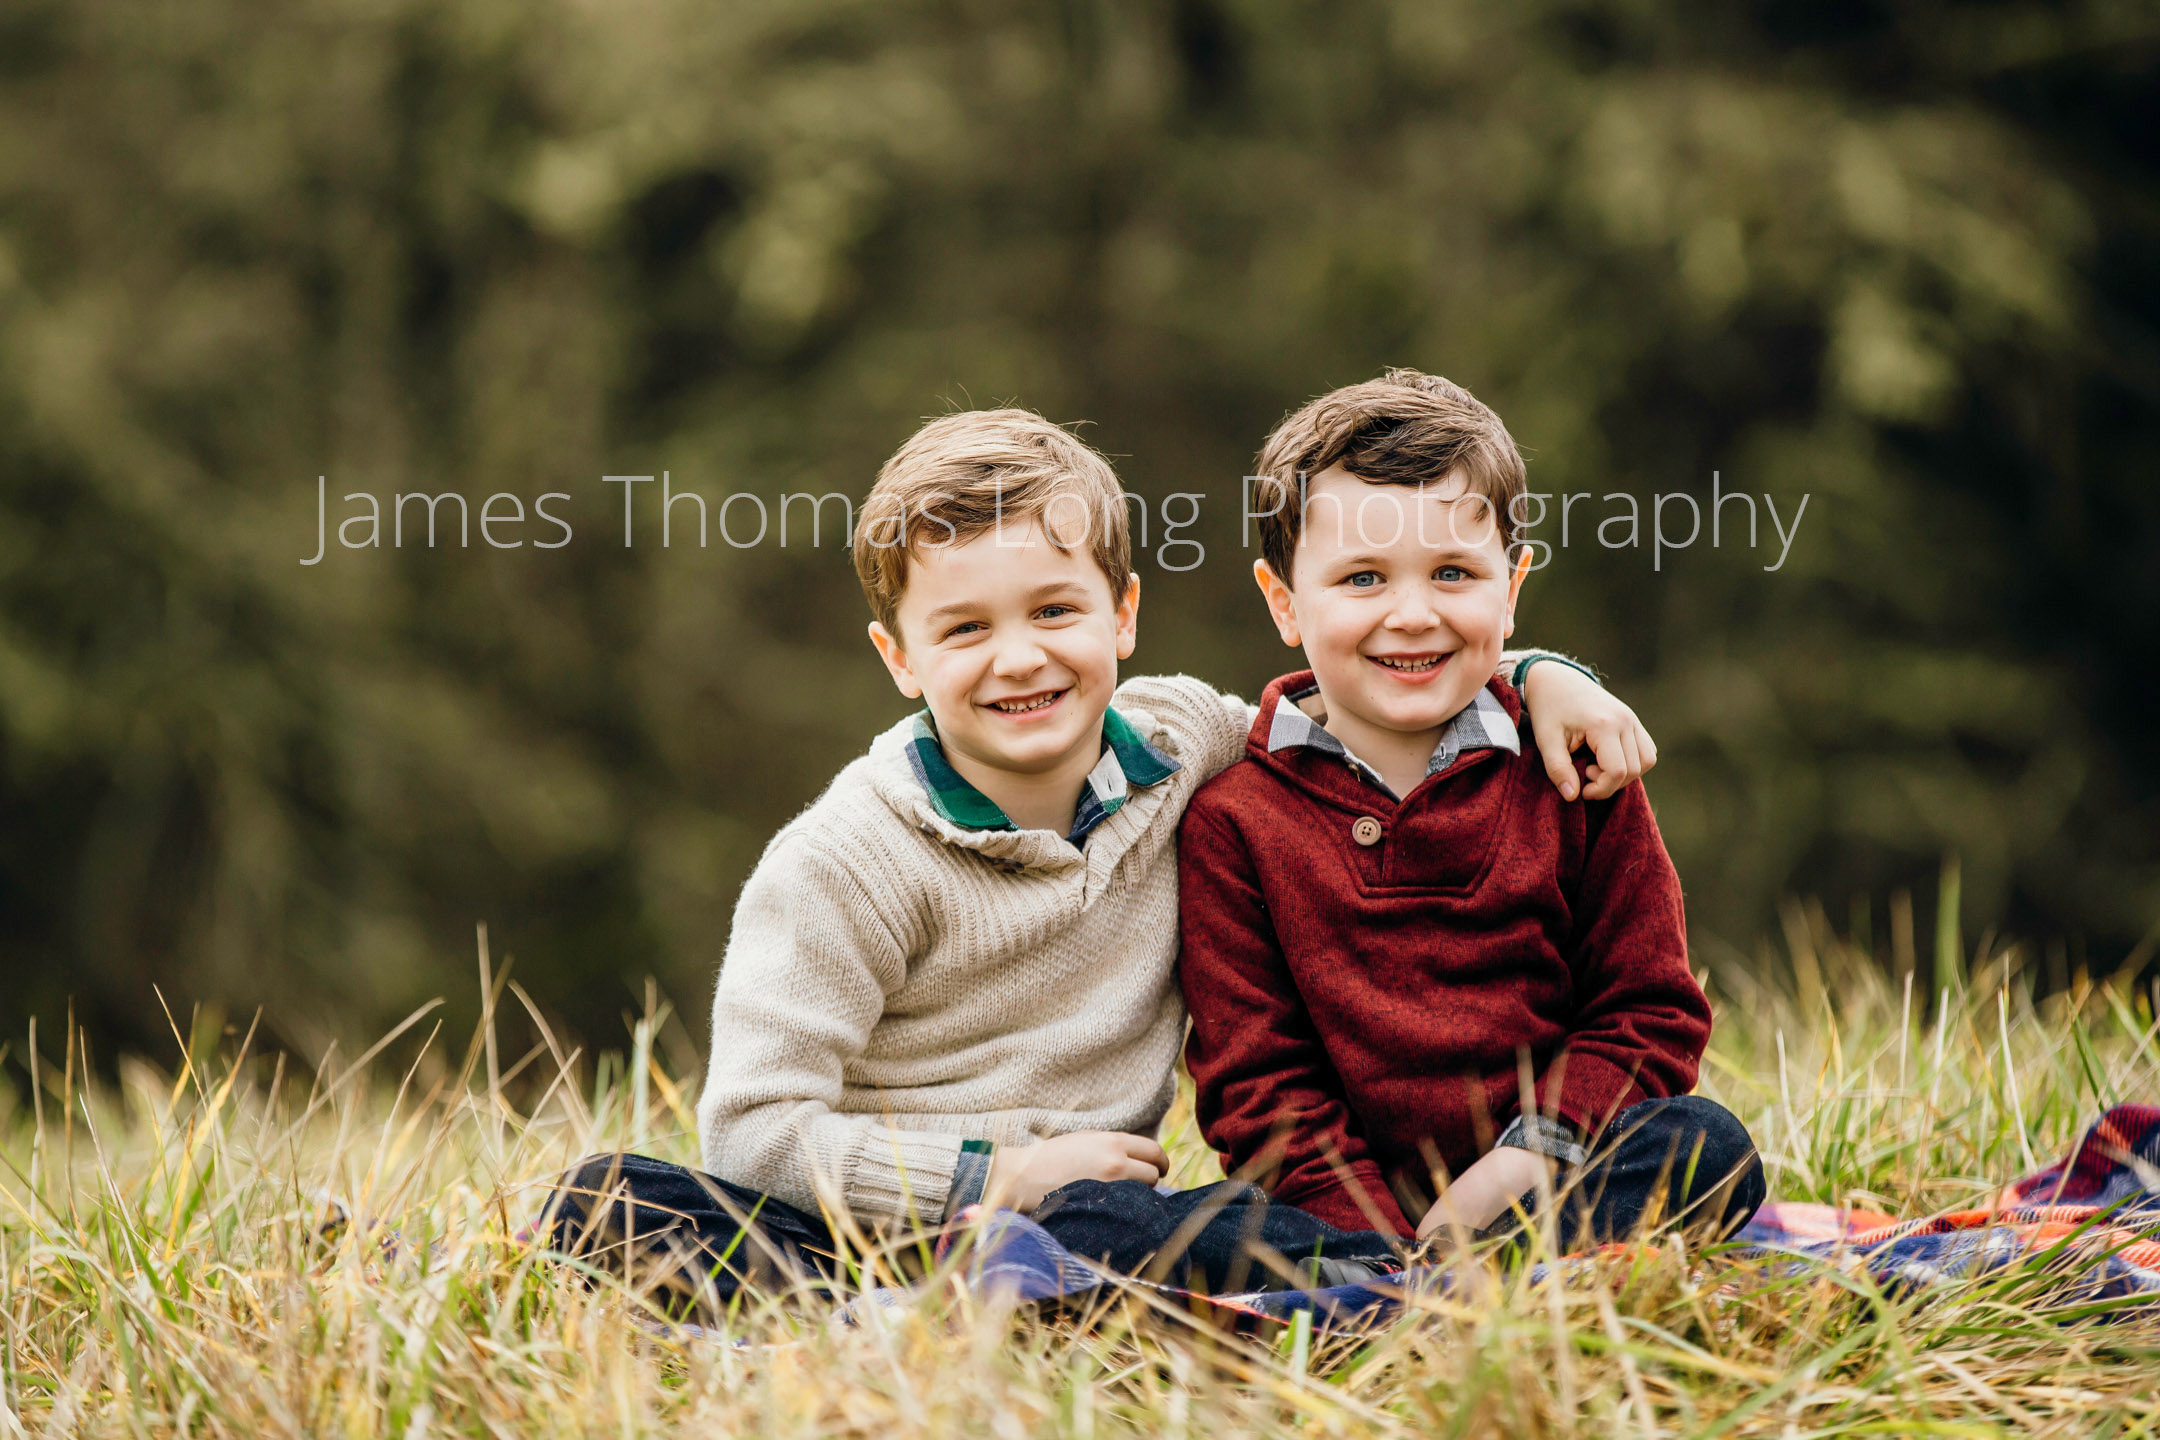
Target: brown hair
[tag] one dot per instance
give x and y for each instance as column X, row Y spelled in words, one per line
column 1405, row 428
column 969, row 473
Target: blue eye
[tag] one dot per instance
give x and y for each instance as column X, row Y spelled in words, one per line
column 1364, row 579
column 1451, row 574
column 963, row 628
column 1053, row 612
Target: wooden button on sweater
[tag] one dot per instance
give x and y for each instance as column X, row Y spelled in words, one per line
column 1366, row 831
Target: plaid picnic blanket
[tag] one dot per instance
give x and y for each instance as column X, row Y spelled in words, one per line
column 2089, row 1225
column 2092, row 1221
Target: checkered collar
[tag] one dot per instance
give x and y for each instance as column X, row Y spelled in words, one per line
column 1127, row 760
column 1483, row 724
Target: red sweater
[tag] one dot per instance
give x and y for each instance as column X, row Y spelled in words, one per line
column 1367, row 1004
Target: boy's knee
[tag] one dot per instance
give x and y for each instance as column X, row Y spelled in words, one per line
column 584, row 1199
column 1130, row 1203
column 593, row 1176
column 1716, row 1152
column 1120, row 1223
column 605, row 1199
column 1725, row 1143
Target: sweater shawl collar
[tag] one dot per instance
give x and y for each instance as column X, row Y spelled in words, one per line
column 1327, row 775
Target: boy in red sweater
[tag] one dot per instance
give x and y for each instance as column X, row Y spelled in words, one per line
column 1391, row 921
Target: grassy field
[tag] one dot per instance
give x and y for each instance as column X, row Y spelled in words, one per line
column 166, row 1267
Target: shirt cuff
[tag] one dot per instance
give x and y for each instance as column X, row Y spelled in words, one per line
column 971, row 1176
column 1546, row 1135
column 1530, row 658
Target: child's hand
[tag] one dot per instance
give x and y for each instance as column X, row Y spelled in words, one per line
column 1020, row 1175
column 1484, row 1191
column 1569, row 710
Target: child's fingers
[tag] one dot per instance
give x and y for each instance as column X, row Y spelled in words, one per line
column 1614, row 767
column 1646, row 748
column 1148, row 1151
column 1558, row 755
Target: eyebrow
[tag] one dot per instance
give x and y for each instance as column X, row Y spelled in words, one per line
column 949, row 612
column 1035, row 597
column 1440, row 557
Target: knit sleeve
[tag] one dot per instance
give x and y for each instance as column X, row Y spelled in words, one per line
column 1207, row 726
column 1641, row 1021
column 1266, row 1095
column 809, row 965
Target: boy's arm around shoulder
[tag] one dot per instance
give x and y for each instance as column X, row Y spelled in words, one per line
column 1209, row 726
column 1641, row 1021
column 810, row 962
column 1266, row 1094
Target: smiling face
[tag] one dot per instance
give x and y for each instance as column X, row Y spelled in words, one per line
column 1013, row 643
column 1402, row 597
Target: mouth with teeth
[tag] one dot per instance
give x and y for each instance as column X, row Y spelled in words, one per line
column 1026, row 704
column 1409, row 665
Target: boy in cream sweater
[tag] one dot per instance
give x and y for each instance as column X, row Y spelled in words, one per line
column 951, row 979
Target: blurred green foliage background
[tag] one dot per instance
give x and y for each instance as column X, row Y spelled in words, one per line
column 1902, row 258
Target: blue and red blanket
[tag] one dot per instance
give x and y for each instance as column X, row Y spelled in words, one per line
column 2087, row 1228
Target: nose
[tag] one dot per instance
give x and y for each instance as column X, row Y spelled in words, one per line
column 1414, row 609
column 1017, row 655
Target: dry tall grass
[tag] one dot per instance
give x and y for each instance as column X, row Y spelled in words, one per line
column 165, row 1269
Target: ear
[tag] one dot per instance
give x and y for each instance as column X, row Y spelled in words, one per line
column 1514, row 588
column 895, row 658
column 1277, row 593
column 1128, row 618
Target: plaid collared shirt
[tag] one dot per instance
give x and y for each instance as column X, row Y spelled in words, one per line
column 1127, row 760
column 1483, row 724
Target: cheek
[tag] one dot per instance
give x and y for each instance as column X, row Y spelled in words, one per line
column 1096, row 654
column 1479, row 619
column 1339, row 627
column 949, row 674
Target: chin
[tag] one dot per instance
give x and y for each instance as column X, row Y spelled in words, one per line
column 1040, row 752
column 1419, row 723
column 1430, row 713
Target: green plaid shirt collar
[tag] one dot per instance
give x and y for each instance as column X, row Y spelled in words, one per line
column 1127, row 760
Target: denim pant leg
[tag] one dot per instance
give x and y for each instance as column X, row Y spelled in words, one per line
column 682, row 1233
column 1210, row 1236
column 1683, row 1160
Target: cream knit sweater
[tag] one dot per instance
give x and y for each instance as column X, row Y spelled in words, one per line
column 894, row 984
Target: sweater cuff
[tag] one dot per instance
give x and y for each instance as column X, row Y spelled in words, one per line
column 903, row 1175
column 1529, row 658
column 1586, row 1091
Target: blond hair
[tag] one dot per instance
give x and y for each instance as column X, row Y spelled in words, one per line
column 1405, row 428
column 966, row 474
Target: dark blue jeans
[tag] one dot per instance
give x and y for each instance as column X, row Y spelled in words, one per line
column 687, row 1235
column 1686, row 1161
column 676, row 1232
